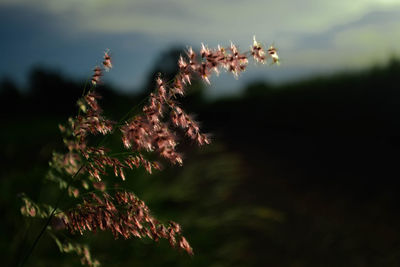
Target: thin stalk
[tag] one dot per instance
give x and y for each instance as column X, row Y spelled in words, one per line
column 74, row 176
column 49, row 218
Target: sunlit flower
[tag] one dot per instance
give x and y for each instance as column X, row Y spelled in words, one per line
column 107, row 61
column 273, row 54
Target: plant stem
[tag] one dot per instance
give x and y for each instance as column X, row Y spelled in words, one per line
column 49, row 218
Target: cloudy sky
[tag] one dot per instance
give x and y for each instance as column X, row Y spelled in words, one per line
column 313, row 36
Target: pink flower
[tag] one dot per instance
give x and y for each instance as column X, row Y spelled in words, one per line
column 96, row 75
column 257, row 51
column 107, row 61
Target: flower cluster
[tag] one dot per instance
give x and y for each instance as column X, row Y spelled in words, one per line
column 155, row 129
column 152, row 131
column 98, row 71
column 92, row 122
column 124, row 215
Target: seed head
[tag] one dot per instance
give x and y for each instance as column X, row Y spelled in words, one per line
column 96, row 75
column 273, row 54
column 107, row 61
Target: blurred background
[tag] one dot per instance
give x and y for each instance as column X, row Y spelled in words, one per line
column 303, row 169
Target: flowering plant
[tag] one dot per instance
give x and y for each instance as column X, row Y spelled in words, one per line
column 151, row 133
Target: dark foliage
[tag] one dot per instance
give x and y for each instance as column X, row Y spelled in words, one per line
column 323, row 153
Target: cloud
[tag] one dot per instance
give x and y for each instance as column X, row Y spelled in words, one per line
column 365, row 40
column 221, row 17
column 197, row 21
column 314, row 34
column 326, row 39
column 34, row 37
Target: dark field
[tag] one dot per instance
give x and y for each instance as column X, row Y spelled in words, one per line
column 303, row 174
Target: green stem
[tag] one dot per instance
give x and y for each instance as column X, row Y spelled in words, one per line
column 49, row 218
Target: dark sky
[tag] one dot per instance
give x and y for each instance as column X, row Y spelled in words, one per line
column 312, row 36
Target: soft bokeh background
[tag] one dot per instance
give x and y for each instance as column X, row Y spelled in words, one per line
column 303, row 170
